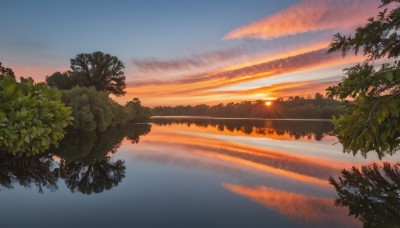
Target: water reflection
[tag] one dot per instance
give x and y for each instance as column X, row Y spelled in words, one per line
column 82, row 160
column 307, row 210
column 93, row 146
column 311, row 130
column 36, row 171
column 372, row 194
column 96, row 177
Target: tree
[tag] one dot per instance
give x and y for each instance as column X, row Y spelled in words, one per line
column 372, row 119
column 4, row 71
column 66, row 80
column 100, row 70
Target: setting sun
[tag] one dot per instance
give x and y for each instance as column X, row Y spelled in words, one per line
column 268, row 103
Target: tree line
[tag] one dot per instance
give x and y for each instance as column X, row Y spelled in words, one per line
column 318, row 107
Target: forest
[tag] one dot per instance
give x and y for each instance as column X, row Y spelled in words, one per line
column 317, row 107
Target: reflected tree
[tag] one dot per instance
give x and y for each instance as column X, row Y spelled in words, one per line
column 86, row 165
column 372, row 194
column 296, row 129
column 140, row 129
column 31, row 171
column 93, row 177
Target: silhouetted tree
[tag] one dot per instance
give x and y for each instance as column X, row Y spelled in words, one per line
column 4, row 71
column 100, row 70
column 66, row 80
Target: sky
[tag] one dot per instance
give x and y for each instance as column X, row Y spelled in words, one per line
column 186, row 52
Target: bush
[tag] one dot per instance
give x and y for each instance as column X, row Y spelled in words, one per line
column 92, row 110
column 32, row 116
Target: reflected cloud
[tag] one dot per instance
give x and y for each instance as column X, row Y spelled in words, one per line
column 307, row 210
column 203, row 146
column 308, row 16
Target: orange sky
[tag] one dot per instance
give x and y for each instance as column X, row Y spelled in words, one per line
column 276, row 51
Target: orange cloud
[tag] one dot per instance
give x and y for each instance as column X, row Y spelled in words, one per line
column 308, row 210
column 203, row 87
column 287, row 89
column 262, row 70
column 308, row 16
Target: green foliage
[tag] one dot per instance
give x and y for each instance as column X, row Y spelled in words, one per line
column 294, row 107
column 377, row 39
column 94, row 111
column 100, row 70
column 134, row 111
column 371, row 121
column 32, row 117
column 371, row 194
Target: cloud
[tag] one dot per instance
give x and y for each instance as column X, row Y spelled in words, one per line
column 257, row 71
column 209, row 88
column 308, row 16
column 286, row 89
column 192, row 62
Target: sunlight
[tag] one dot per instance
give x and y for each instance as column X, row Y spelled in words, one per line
column 268, row 103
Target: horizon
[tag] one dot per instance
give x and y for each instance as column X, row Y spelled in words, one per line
column 177, row 53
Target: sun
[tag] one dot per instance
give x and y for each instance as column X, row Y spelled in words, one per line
column 268, row 103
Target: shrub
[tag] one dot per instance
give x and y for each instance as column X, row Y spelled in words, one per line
column 92, row 110
column 32, row 116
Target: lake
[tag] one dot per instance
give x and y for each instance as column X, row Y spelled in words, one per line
column 183, row 172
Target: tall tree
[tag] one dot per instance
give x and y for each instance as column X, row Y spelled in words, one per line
column 372, row 120
column 100, row 70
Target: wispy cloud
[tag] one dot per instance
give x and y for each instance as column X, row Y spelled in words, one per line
column 307, row 16
column 192, row 62
column 209, row 88
column 257, row 71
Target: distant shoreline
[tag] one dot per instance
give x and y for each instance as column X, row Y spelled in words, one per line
column 232, row 118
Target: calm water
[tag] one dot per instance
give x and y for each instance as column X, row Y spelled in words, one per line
column 182, row 173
